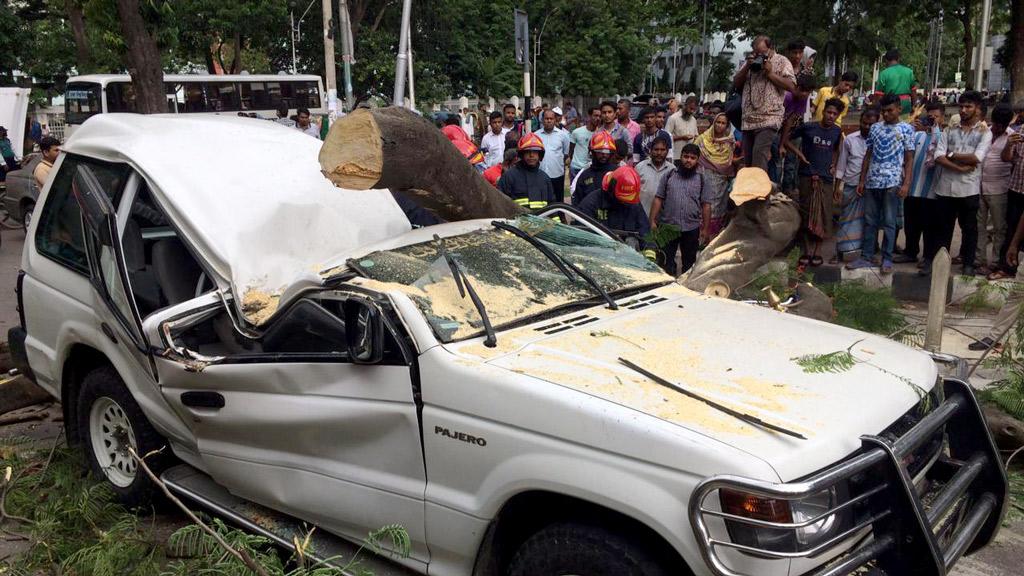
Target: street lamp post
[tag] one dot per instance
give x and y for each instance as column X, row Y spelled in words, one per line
column 296, row 32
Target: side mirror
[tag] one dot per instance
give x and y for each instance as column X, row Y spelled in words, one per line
column 364, row 331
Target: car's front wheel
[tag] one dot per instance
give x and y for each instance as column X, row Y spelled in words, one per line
column 572, row 549
column 110, row 422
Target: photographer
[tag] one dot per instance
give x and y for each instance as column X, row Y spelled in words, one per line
column 764, row 79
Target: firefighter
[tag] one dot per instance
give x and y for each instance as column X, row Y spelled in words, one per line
column 617, row 205
column 589, row 180
column 525, row 183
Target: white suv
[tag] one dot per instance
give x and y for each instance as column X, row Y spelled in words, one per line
column 523, row 396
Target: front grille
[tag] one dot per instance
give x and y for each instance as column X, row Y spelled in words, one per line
column 923, row 496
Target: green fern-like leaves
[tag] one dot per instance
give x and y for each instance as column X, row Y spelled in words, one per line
column 835, row 362
column 400, row 544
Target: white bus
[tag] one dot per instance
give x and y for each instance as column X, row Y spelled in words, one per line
column 195, row 93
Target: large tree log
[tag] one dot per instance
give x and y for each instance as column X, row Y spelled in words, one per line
column 396, row 149
column 759, row 230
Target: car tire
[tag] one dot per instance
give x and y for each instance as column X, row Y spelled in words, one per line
column 26, row 216
column 109, row 420
column 566, row 549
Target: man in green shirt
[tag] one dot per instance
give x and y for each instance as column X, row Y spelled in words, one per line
column 897, row 80
column 8, row 162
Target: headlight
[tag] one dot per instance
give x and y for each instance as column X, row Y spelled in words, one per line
column 811, row 508
column 788, row 513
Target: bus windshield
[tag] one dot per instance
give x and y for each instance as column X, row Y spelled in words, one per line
column 81, row 101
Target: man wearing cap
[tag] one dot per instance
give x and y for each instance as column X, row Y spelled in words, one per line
column 617, row 204
column 602, row 147
column 525, row 183
column 683, row 199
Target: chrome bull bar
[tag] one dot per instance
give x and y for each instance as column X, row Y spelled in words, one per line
column 894, row 528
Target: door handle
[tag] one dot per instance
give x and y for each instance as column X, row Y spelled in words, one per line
column 213, row 400
column 108, row 331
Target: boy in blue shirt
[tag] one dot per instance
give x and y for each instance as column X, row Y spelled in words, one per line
column 884, row 181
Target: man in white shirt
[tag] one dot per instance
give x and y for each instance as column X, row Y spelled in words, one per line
column 556, row 151
column 493, row 142
column 304, row 124
column 851, row 161
column 960, row 152
column 652, row 170
column 995, row 179
column 682, row 126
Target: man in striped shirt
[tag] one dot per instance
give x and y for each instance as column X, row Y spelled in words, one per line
column 919, row 205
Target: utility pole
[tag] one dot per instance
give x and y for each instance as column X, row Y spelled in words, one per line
column 703, row 49
column 346, row 52
column 329, row 67
column 522, row 50
column 403, row 55
column 412, row 86
column 291, row 30
column 979, row 66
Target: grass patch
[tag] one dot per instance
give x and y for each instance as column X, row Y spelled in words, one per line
column 76, row 528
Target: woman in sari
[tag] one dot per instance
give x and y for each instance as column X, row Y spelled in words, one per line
column 718, row 162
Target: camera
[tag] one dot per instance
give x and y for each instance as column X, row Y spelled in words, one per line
column 757, row 64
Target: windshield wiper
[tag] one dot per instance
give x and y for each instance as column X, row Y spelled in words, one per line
column 560, row 261
column 462, row 283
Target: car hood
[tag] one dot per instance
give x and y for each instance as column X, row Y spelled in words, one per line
column 741, row 356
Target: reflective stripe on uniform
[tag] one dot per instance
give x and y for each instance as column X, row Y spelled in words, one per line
column 534, row 204
column 523, row 201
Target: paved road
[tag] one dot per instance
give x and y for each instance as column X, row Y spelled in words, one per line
column 10, row 263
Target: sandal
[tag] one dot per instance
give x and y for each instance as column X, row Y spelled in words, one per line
column 998, row 275
column 804, row 260
column 817, row 261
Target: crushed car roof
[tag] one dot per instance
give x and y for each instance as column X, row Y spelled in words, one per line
column 248, row 194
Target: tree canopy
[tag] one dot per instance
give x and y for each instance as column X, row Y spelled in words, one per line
column 465, row 47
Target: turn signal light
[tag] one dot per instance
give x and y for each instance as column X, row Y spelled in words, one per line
column 755, row 507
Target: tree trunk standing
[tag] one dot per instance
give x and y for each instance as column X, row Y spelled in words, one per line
column 143, row 59
column 1017, row 44
column 83, row 56
column 965, row 16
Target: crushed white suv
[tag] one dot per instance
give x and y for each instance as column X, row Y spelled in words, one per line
column 524, row 397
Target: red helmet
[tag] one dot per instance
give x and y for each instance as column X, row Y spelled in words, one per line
column 470, row 151
column 602, row 142
column 531, row 142
column 624, row 183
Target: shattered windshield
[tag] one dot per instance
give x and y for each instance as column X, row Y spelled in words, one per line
column 513, row 278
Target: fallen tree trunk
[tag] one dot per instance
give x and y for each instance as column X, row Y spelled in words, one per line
column 396, row 149
column 759, row 230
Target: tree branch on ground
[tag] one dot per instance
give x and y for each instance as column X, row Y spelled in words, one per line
column 240, row 554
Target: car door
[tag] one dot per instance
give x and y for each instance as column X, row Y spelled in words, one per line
column 296, row 426
column 116, row 308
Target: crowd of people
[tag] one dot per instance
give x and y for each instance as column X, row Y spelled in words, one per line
column 903, row 167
